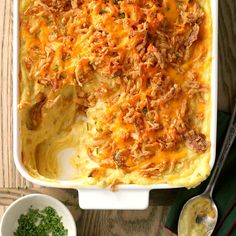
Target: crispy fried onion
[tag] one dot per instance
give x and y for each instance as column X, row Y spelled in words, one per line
column 146, row 133
column 196, row 141
column 153, row 170
column 58, row 5
column 154, row 42
column 127, row 70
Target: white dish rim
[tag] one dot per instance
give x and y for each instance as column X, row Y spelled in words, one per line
column 67, row 184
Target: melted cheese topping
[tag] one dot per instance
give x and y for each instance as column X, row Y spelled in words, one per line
column 116, row 91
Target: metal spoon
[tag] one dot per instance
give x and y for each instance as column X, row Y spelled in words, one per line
column 199, row 216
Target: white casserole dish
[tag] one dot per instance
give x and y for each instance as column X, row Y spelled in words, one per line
column 128, row 196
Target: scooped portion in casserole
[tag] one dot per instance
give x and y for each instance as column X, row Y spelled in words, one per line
column 116, row 91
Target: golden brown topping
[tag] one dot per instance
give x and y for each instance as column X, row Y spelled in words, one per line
column 136, row 59
column 58, row 5
column 193, row 36
column 154, row 170
column 196, row 141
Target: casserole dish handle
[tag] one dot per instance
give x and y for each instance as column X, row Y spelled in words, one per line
column 123, row 199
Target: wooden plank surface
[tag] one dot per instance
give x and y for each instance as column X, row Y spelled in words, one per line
column 99, row 222
column 148, row 222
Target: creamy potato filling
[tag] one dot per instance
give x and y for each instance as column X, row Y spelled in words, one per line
column 116, row 91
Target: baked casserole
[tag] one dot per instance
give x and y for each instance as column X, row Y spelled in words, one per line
column 117, row 91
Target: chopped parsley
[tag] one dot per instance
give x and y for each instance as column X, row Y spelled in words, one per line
column 49, row 21
column 100, row 129
column 91, row 63
column 56, row 68
column 87, row 126
column 62, row 76
column 145, row 110
column 121, row 109
column 102, row 11
column 122, row 15
column 37, row 33
column 116, row 1
column 40, row 223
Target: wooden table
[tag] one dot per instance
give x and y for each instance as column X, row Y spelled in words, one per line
column 138, row 223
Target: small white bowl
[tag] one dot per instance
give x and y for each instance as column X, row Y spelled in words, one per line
column 9, row 222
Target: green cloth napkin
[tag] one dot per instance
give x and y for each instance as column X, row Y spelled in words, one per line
column 224, row 194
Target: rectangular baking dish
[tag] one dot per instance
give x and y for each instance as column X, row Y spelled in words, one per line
column 127, row 196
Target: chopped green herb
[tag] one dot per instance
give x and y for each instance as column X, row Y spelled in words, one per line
column 122, row 15
column 121, row 109
column 56, row 68
column 91, row 63
column 145, row 111
column 49, row 21
column 177, row 54
column 100, row 129
column 40, row 223
column 62, row 76
column 37, row 33
column 62, row 27
column 87, row 126
column 116, row 1
column 97, row 151
column 102, row 11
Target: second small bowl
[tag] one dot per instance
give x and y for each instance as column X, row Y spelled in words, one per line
column 9, row 222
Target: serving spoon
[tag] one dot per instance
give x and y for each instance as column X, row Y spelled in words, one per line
column 201, row 211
